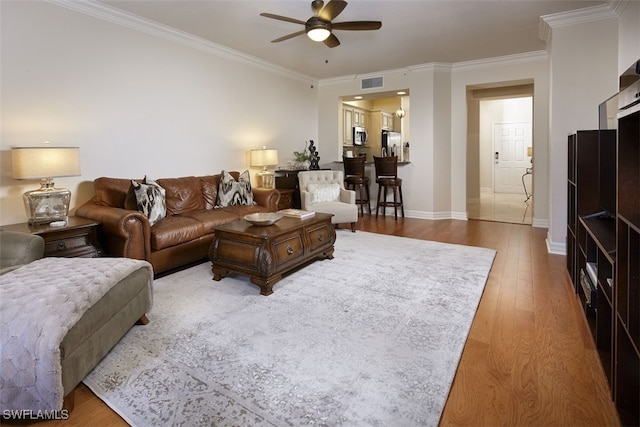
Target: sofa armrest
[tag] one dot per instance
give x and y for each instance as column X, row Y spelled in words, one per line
column 125, row 233
column 268, row 197
column 18, row 249
column 305, row 200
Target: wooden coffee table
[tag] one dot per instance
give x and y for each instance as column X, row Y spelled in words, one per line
column 265, row 254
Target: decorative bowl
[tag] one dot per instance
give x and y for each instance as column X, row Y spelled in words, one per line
column 263, row 218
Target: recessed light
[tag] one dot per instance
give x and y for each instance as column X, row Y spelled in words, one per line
column 402, row 92
column 357, row 97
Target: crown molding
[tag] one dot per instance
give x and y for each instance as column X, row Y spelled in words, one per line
column 518, row 58
column 119, row 17
column 547, row 23
column 353, row 77
column 431, row 67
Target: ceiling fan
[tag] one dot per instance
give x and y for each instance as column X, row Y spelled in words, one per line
column 319, row 27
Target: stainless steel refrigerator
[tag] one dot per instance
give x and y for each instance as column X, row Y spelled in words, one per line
column 391, row 144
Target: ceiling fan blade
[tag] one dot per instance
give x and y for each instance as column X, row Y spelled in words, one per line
column 288, row 36
column 332, row 9
column 282, row 18
column 357, row 25
column 332, row 41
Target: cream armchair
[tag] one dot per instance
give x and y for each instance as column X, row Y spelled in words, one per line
column 323, row 191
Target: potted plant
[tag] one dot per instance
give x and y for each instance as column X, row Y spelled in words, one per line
column 301, row 159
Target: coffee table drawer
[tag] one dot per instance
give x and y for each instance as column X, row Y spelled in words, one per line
column 288, row 249
column 320, row 236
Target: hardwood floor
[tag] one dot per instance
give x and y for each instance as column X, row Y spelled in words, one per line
column 529, row 359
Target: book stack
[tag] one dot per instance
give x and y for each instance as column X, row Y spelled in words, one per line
column 297, row 213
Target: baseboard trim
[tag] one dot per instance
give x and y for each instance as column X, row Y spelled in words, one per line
column 540, row 223
column 435, row 215
column 555, row 248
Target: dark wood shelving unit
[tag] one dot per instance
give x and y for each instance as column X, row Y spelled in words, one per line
column 627, row 313
column 582, row 188
column 603, row 245
column 597, row 247
column 591, row 237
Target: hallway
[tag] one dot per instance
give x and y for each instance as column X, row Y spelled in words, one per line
column 502, row 207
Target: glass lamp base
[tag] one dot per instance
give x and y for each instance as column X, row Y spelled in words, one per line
column 46, row 204
column 265, row 179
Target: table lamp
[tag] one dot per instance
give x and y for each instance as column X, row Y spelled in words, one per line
column 46, row 204
column 264, row 158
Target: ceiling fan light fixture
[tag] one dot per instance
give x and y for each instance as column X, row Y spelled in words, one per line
column 318, row 34
column 317, row 30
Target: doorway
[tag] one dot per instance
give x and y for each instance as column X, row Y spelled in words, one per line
column 500, row 153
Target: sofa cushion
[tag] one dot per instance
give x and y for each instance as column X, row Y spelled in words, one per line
column 130, row 202
column 232, row 192
column 150, row 199
column 183, row 194
column 111, row 191
column 209, row 188
column 210, row 218
column 174, row 230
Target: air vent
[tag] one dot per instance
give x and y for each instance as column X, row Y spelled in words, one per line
column 371, row 83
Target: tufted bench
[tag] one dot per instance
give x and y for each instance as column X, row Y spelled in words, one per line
column 58, row 318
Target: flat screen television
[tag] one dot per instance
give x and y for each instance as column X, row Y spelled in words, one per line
column 607, row 113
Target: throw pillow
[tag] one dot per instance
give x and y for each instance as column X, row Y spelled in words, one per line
column 234, row 193
column 150, row 199
column 324, row 192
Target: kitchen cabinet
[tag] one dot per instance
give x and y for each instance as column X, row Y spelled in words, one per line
column 352, row 116
column 387, row 121
column 347, row 121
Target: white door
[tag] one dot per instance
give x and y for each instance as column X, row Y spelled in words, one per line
column 510, row 142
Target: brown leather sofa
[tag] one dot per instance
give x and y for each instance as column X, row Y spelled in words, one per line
column 183, row 236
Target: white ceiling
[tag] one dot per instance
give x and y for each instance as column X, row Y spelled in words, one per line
column 413, row 32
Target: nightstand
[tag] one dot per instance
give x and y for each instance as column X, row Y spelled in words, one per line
column 286, row 198
column 79, row 238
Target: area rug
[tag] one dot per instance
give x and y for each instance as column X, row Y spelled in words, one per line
column 372, row 337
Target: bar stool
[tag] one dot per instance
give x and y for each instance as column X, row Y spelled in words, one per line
column 356, row 179
column 387, row 177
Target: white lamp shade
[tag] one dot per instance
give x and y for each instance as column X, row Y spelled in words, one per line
column 265, row 157
column 45, row 162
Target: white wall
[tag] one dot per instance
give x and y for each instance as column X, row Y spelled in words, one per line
column 584, row 72
column 420, row 178
column 434, row 185
column 629, row 36
column 516, row 69
column 138, row 104
column 135, row 104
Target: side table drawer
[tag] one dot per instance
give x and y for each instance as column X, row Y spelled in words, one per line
column 63, row 245
column 78, row 238
column 319, row 236
column 69, row 247
column 288, row 249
